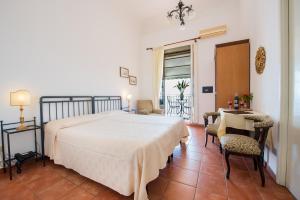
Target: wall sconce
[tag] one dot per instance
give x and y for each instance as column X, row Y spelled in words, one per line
column 129, row 97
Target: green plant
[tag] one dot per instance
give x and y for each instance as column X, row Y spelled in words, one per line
column 247, row 98
column 181, row 86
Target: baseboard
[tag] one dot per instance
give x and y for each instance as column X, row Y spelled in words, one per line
column 273, row 176
column 270, row 172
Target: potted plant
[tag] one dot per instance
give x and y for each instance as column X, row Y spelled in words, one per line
column 181, row 86
column 247, row 99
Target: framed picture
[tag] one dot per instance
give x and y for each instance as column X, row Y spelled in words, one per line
column 124, row 72
column 132, row 80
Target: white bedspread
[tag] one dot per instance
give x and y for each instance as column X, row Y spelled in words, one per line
column 120, row 150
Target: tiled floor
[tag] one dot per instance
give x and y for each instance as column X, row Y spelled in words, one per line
column 195, row 173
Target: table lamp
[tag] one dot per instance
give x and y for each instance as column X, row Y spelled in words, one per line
column 129, row 96
column 20, row 98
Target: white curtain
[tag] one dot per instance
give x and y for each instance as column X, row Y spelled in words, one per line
column 158, row 56
column 196, row 88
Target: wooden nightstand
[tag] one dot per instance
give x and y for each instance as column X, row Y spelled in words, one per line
column 10, row 129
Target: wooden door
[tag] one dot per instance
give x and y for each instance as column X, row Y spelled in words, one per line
column 232, row 71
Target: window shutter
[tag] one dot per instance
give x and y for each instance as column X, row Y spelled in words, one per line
column 177, row 65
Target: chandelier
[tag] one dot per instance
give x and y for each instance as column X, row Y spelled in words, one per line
column 180, row 12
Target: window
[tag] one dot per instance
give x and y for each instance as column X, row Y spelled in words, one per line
column 177, row 67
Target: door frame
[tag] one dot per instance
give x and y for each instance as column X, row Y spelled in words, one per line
column 284, row 107
column 226, row 45
column 173, row 46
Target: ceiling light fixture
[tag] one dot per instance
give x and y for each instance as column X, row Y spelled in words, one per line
column 181, row 12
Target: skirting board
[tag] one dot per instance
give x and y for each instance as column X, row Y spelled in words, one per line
column 270, row 172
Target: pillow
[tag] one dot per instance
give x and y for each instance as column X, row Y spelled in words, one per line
column 144, row 112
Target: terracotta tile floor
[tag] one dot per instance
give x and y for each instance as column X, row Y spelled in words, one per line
column 195, row 173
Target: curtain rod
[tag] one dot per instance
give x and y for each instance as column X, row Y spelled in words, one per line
column 192, row 39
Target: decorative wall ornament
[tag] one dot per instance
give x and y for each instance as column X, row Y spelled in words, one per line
column 260, row 60
column 180, row 12
column 124, row 72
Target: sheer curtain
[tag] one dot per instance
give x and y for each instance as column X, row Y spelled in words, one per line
column 196, row 88
column 158, row 56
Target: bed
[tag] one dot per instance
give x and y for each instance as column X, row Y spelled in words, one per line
column 119, row 150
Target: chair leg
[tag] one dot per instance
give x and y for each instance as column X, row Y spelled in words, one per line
column 206, row 137
column 220, row 147
column 255, row 163
column 213, row 139
column 169, row 159
column 260, row 162
column 227, row 163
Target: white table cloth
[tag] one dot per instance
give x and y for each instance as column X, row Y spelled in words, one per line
column 238, row 121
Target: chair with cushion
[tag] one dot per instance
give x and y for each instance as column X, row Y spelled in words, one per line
column 145, row 107
column 247, row 146
column 210, row 129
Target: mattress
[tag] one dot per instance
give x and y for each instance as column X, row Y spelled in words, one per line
column 119, row 150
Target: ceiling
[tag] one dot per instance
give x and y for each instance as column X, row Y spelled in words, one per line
column 146, row 9
column 152, row 14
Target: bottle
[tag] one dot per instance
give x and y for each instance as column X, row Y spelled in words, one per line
column 236, row 102
column 229, row 104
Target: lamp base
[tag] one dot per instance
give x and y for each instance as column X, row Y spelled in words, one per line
column 22, row 127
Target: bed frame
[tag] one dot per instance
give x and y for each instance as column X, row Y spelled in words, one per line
column 60, row 107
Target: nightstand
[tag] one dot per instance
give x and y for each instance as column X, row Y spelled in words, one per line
column 11, row 129
column 133, row 111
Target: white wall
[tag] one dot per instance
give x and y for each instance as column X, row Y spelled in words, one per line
column 70, row 47
column 217, row 12
column 245, row 20
column 262, row 25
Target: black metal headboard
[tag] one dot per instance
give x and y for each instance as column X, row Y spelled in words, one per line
column 60, row 107
column 106, row 103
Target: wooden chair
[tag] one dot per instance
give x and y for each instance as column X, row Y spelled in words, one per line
column 247, row 146
column 210, row 129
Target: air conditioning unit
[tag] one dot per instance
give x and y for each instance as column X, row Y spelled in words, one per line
column 212, row 32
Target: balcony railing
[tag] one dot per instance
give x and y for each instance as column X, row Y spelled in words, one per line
column 174, row 106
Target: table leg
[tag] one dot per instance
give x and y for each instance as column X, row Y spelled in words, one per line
column 3, row 149
column 181, row 110
column 35, row 145
column 9, row 157
column 43, row 146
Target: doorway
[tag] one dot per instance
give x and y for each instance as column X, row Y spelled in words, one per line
column 232, row 71
column 177, row 69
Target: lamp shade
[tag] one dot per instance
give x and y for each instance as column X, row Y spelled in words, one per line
column 20, row 98
column 129, row 96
